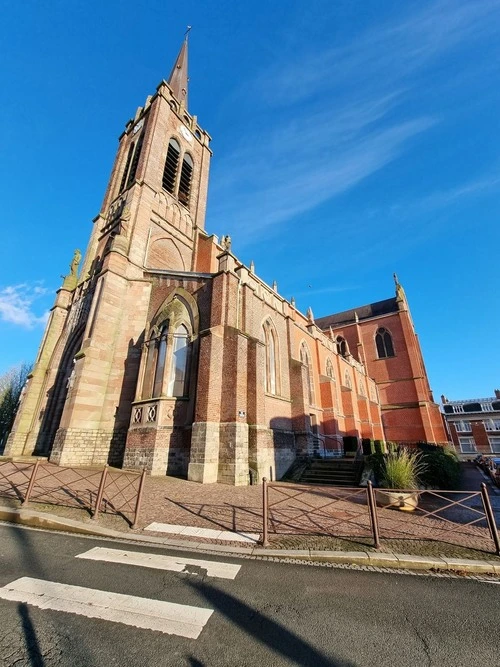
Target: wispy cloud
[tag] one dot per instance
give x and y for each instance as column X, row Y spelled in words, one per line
column 327, row 121
column 17, row 304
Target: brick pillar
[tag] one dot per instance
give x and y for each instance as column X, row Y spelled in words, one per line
column 204, row 457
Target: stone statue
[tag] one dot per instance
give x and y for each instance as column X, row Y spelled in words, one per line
column 226, row 242
column 75, row 263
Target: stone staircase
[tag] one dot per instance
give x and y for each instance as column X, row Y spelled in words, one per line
column 336, row 472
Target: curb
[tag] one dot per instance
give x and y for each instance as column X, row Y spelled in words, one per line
column 46, row 521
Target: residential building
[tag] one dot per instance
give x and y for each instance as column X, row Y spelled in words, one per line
column 474, row 424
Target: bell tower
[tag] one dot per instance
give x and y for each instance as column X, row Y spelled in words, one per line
column 76, row 407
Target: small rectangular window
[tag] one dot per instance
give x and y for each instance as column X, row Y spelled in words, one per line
column 467, row 445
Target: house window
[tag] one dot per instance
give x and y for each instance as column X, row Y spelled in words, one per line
column 305, row 358
column 383, row 341
column 463, row 427
column 171, row 165
column 342, row 347
column 179, row 362
column 271, row 359
column 467, row 445
column 185, row 180
column 495, row 444
column 492, row 424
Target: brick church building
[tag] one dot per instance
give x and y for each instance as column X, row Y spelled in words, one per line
column 164, row 351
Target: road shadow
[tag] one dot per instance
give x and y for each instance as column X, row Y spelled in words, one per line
column 265, row 630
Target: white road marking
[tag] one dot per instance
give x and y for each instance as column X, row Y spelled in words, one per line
column 160, row 562
column 210, row 533
column 166, row 617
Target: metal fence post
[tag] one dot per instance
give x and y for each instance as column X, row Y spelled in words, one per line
column 372, row 508
column 265, row 509
column 31, row 483
column 100, row 493
column 139, row 498
column 490, row 517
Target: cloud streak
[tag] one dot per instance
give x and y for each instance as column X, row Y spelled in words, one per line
column 16, row 305
column 327, row 121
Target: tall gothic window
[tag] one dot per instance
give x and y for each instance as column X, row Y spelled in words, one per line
column 383, row 341
column 271, row 368
column 185, row 179
column 342, row 347
column 171, row 166
column 305, row 358
column 168, row 352
column 179, row 363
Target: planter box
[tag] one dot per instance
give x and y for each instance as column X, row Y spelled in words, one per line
column 401, row 500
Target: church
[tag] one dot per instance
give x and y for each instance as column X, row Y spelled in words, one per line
column 164, row 351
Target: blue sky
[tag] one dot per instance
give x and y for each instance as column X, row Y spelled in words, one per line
column 350, row 140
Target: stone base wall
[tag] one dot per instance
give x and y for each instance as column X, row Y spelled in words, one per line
column 233, row 454
column 162, row 451
column 80, row 447
column 15, row 444
column 204, row 460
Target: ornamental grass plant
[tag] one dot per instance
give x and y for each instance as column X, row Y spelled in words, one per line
column 402, row 470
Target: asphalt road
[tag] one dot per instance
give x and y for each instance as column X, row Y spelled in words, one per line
column 269, row 614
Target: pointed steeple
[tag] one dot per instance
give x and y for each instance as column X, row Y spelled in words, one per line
column 178, row 79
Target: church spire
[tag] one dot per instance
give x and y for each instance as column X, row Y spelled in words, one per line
column 178, row 79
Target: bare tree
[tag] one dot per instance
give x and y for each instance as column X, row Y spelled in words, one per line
column 11, row 387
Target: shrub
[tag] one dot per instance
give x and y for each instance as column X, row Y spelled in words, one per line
column 402, row 470
column 392, row 447
column 442, row 467
column 376, row 462
column 350, row 444
column 379, row 446
column 368, row 446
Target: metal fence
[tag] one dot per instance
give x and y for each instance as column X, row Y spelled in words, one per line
column 104, row 490
column 463, row 518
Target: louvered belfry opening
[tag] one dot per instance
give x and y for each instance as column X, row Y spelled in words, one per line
column 135, row 160
column 127, row 165
column 185, row 180
column 171, row 166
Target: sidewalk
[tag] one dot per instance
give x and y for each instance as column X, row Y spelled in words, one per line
column 367, row 558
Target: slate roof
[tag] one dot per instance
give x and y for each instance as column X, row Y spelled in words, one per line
column 364, row 313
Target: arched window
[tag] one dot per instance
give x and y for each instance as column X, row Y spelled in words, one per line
column 161, row 355
column 347, row 379
column 305, row 358
column 171, row 166
column 185, row 180
column 329, row 368
column 342, row 348
column 177, row 385
column 271, row 367
column 383, row 341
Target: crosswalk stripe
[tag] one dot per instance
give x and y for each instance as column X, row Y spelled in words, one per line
column 166, row 617
column 160, row 562
column 210, row 533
